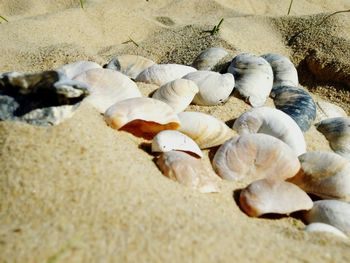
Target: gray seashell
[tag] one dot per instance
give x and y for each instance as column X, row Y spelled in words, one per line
column 326, row 110
column 208, row 59
column 333, row 212
column 284, row 72
column 273, row 196
column 130, row 65
column 253, row 77
column 73, row 69
column 337, row 132
column 214, row 88
column 297, row 103
column 322, row 227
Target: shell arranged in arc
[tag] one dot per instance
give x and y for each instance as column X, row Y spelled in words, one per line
column 326, row 110
column 272, row 122
column 178, row 93
column 253, row 77
column 214, row 88
column 208, row 59
column 284, row 72
column 107, row 87
column 143, row 117
column 188, row 171
column 267, row 196
column 297, row 103
column 206, row 130
column 324, row 174
column 74, row 69
column 255, row 156
column 325, row 228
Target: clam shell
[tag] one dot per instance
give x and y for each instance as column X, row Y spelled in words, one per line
column 333, row 212
column 107, row 87
column 255, row 156
column 209, row 58
column 297, row 103
column 171, row 140
column 188, row 171
column 284, row 72
column 161, row 74
column 178, row 93
column 321, row 227
column 130, row 65
column 272, row 122
column 273, row 196
column 326, row 110
column 143, row 117
column 214, row 88
column 204, row 129
column 324, row 174
column 74, row 69
column 253, row 77
column 337, row 132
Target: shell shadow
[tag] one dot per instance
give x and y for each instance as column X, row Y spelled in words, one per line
column 146, row 147
column 212, row 152
column 230, row 122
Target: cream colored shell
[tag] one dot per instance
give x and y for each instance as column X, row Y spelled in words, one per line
column 325, row 228
column 74, row 69
column 326, row 110
column 209, row 58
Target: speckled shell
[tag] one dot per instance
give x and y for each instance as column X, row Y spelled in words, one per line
column 178, row 93
column 297, row 103
column 214, row 88
column 272, row 122
column 325, row 228
column 333, row 212
column 324, row 174
column 284, row 72
column 130, row 65
column 74, row 69
column 188, row 171
column 171, row 140
column 208, row 59
column 253, row 77
column 143, row 117
column 337, row 132
column 107, row 87
column 160, row 74
column 273, row 196
column 206, row 130
column 255, row 156
column 326, row 110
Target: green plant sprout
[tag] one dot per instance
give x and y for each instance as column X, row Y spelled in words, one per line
column 81, row 4
column 3, row 18
column 216, row 28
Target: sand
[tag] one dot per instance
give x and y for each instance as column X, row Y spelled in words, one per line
column 82, row 192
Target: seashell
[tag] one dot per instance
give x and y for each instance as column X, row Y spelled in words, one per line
column 326, row 110
column 107, row 87
column 272, row 122
column 284, row 72
column 74, row 69
column 337, row 132
column 171, row 140
column 188, row 171
column 178, row 93
column 160, row 74
column 255, row 156
column 273, row 196
column 143, row 117
column 130, row 65
column 321, row 227
column 209, row 58
column 214, row 88
column 333, row 212
column 297, row 103
column 204, row 129
column 253, row 77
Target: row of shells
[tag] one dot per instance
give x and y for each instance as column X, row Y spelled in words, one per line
column 265, row 146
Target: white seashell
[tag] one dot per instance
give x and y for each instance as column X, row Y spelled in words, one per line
column 204, row 129
column 171, row 140
column 333, row 212
column 326, row 110
column 107, row 87
column 74, row 69
column 272, row 122
column 214, row 88
column 253, row 77
column 188, row 171
column 255, row 156
column 284, row 72
column 130, row 65
column 178, row 93
column 143, row 117
column 321, row 227
column 273, row 196
column 208, row 59
column 160, row 74
column 324, row 174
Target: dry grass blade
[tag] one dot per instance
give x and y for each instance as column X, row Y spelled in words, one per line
column 3, row 18
column 131, row 41
column 290, row 6
column 81, row 4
